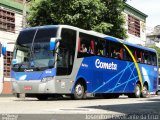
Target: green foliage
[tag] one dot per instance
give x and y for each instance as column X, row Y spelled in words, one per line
column 115, row 17
column 104, row 16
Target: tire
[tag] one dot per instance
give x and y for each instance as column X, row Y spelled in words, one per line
column 42, row 97
column 137, row 92
column 145, row 92
column 79, row 91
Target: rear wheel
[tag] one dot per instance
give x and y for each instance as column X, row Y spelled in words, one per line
column 137, row 92
column 79, row 91
column 144, row 93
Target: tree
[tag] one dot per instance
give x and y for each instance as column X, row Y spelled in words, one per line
column 87, row 14
column 115, row 17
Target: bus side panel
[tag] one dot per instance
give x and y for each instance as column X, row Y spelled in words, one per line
column 105, row 75
column 150, row 75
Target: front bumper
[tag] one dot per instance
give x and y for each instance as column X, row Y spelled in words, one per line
column 34, row 86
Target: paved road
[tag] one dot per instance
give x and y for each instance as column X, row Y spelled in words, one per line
column 78, row 109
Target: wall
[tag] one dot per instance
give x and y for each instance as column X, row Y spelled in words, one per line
column 132, row 38
column 129, row 10
column 7, row 37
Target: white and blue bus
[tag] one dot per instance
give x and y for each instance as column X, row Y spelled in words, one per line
column 65, row 60
column 2, row 53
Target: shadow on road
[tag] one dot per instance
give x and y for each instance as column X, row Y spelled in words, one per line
column 65, row 99
column 152, row 106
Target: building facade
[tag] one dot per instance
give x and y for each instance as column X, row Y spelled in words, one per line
column 135, row 25
column 10, row 25
column 153, row 38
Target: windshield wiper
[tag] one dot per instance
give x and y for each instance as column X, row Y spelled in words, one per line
column 32, row 49
column 37, row 67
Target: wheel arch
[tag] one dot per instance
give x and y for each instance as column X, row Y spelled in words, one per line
column 138, row 82
column 146, row 83
column 80, row 80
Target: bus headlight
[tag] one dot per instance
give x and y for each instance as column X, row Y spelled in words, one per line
column 46, row 79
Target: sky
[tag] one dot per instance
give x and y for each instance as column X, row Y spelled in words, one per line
column 150, row 8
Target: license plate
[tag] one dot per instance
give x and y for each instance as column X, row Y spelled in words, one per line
column 27, row 87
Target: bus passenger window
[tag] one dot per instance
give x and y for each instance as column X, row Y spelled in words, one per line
column 139, row 56
column 154, row 59
column 100, row 47
column 121, row 54
column 116, row 54
column 90, row 51
column 147, row 57
column 83, row 48
column 91, row 47
column 86, row 45
column 99, row 52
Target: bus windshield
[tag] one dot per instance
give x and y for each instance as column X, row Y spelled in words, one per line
column 32, row 50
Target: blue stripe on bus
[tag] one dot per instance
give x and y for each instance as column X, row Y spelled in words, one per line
column 121, row 84
column 113, row 77
column 130, row 77
column 33, row 75
column 122, row 80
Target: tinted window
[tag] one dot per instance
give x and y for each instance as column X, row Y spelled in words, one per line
column 45, row 34
column 89, row 45
column 26, row 37
column 66, row 52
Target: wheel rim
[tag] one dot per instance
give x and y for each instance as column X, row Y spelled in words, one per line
column 138, row 90
column 79, row 90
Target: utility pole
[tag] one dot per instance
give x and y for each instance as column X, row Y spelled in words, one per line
column 24, row 13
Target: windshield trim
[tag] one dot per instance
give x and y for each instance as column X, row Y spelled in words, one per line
column 32, row 48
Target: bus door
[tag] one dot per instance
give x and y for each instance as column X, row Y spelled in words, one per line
column 65, row 58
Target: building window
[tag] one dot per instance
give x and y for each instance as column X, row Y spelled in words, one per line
column 133, row 26
column 7, row 21
column 7, row 63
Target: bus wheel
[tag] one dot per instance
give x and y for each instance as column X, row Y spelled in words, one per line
column 42, row 97
column 145, row 91
column 137, row 92
column 79, row 91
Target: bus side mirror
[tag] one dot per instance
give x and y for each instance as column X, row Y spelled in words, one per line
column 4, row 50
column 52, row 43
column 14, row 61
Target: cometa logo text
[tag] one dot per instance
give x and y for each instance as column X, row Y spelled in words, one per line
column 104, row 65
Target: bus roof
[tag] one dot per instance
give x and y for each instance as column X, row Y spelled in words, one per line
column 130, row 44
column 101, row 35
column 36, row 27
